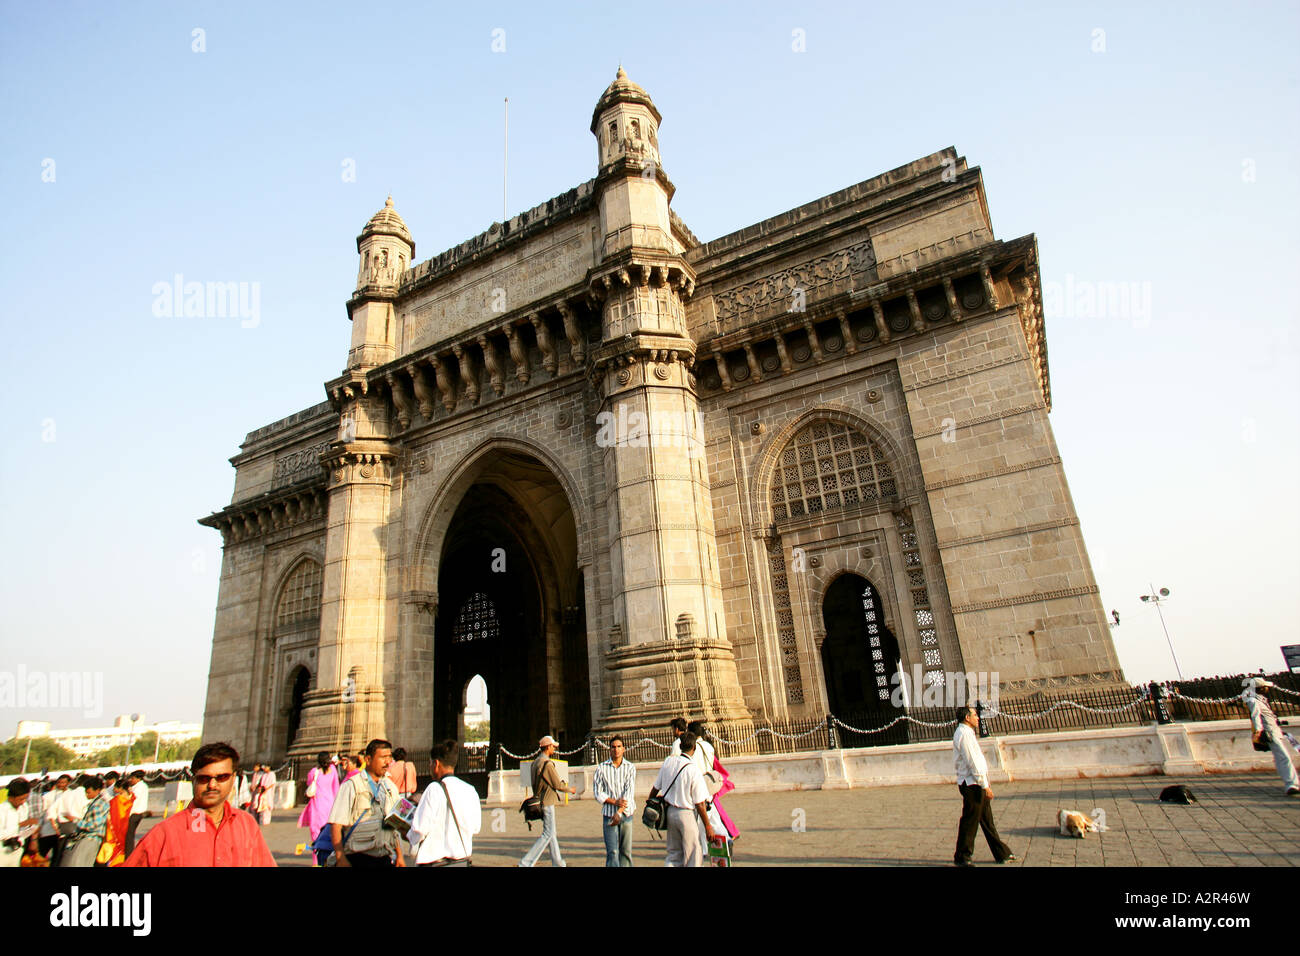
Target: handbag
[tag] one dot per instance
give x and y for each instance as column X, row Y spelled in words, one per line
column 531, row 808
column 311, row 788
column 655, row 812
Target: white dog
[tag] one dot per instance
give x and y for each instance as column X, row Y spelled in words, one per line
column 1077, row 824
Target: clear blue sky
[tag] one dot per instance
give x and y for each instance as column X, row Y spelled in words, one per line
column 1168, row 161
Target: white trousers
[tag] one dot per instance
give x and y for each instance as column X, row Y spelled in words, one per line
column 684, row 847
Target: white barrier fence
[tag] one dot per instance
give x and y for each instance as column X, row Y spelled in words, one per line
column 1217, row 746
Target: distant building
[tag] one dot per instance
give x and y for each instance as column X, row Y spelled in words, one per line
column 88, row 741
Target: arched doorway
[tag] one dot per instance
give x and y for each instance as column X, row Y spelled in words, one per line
column 510, row 609
column 860, row 659
column 301, row 683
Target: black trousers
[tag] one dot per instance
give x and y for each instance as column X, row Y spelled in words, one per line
column 46, row 844
column 130, row 831
column 977, row 813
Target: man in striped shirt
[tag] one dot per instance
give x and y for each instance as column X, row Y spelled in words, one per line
column 614, row 788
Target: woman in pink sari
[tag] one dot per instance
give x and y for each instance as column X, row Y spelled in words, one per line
column 322, row 786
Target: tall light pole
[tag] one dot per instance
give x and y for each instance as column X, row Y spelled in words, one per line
column 1158, row 598
column 126, row 756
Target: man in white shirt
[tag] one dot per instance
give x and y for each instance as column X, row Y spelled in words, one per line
column 976, row 794
column 14, row 820
column 49, row 837
column 1264, row 727
column 686, row 794
column 139, row 809
column 443, row 828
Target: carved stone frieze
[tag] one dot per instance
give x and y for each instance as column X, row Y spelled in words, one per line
column 776, row 292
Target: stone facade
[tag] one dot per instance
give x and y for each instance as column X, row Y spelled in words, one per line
column 619, row 472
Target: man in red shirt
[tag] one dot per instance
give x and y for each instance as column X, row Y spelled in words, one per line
column 209, row 831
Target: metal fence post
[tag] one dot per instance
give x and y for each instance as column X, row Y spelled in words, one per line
column 1162, row 710
column 979, row 712
column 831, row 742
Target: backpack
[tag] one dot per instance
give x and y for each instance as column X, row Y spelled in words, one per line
column 1177, row 794
column 531, row 808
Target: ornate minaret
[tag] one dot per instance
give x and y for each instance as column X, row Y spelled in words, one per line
column 347, row 707
column 670, row 656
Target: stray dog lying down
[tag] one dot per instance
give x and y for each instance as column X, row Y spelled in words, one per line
column 1075, row 823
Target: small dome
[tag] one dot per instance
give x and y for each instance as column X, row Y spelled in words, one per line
column 622, row 90
column 387, row 222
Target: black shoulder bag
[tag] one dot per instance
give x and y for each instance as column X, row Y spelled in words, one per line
column 531, row 808
column 655, row 812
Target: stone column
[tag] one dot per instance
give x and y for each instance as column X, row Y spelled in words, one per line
column 347, row 707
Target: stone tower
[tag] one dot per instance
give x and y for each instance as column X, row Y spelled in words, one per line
column 670, row 653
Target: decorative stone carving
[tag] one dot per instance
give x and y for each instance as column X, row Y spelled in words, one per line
column 753, row 363
column 518, row 354
column 442, row 377
column 423, row 394
column 401, row 400
column 468, row 376
column 774, row 292
column 878, row 314
column 913, row 306
column 783, row 355
column 493, row 365
column 550, row 361
column 953, row 307
column 297, row 466
column 812, row 341
column 573, row 333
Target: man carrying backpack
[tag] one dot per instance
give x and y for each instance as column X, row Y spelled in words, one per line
column 686, row 793
column 357, row 819
column 547, row 786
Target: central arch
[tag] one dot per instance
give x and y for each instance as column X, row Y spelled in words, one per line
column 510, row 605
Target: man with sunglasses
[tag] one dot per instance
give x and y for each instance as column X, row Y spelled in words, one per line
column 209, row 831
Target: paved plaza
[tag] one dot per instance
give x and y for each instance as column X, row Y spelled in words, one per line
column 1240, row 820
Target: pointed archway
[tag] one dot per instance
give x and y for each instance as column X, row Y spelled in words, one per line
column 860, row 661
column 510, row 608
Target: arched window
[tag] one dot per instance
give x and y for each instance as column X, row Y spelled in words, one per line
column 477, row 620
column 299, row 606
column 828, row 466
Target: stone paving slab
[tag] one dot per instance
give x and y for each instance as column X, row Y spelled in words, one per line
column 1241, row 820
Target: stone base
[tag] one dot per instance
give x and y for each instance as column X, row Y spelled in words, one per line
column 655, row 682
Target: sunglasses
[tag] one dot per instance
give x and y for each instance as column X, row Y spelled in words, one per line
column 203, row 779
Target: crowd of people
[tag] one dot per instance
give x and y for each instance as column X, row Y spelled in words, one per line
column 361, row 809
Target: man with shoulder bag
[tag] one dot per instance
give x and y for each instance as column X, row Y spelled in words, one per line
column 1266, row 734
column 358, row 820
column 685, row 796
column 443, row 827
column 547, row 785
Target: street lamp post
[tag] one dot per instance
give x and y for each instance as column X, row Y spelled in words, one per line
column 1158, row 598
column 126, row 757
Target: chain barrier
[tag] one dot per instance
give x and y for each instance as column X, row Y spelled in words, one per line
column 1145, row 698
column 819, row 729
column 1069, row 703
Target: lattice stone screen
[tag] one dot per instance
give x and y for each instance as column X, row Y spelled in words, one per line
column 828, row 466
column 300, row 599
column 477, row 620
